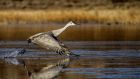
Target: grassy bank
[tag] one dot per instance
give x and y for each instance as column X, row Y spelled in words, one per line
column 126, row 16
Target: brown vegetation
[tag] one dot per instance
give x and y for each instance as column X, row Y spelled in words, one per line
column 42, row 11
column 62, row 4
column 131, row 16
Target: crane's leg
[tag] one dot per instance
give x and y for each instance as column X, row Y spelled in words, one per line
column 74, row 54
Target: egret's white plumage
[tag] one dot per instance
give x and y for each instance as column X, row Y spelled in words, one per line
column 50, row 41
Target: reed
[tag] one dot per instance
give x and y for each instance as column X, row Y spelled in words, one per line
column 126, row 16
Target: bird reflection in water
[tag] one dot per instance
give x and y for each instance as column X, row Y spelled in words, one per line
column 50, row 71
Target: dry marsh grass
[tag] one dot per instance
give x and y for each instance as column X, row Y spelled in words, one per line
column 126, row 16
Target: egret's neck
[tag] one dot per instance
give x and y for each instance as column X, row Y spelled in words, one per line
column 59, row 31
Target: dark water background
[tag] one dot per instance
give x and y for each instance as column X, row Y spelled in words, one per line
column 107, row 52
column 81, row 32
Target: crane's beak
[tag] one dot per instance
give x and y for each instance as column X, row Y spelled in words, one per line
column 77, row 25
column 73, row 24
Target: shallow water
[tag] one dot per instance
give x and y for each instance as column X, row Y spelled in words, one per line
column 80, row 32
column 98, row 60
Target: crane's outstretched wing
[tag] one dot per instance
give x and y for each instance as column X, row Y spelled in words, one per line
column 48, row 41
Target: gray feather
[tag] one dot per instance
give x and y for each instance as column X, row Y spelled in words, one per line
column 48, row 41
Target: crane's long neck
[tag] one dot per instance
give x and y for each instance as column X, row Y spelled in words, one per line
column 59, row 31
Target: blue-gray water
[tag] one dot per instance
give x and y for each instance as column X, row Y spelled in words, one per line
column 98, row 60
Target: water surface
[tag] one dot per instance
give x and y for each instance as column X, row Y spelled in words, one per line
column 80, row 32
column 98, row 60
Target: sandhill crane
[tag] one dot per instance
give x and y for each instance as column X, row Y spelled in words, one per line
column 49, row 40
